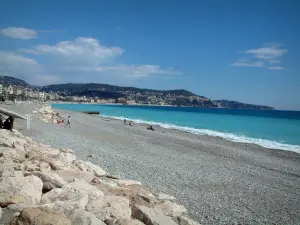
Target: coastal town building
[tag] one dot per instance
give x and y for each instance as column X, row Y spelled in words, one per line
column 10, row 90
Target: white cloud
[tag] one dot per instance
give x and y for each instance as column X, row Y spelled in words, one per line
column 245, row 62
column 129, row 71
column 19, row 33
column 275, row 68
column 270, row 52
column 83, row 59
column 16, row 61
column 82, row 50
column 266, row 56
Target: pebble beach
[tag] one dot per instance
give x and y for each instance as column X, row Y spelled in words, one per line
column 217, row 181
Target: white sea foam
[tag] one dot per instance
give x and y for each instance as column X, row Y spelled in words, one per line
column 228, row 136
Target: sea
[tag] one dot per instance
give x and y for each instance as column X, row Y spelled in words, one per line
column 268, row 128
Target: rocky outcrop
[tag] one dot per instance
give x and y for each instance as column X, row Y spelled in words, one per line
column 110, row 208
column 20, row 189
column 41, row 216
column 43, row 185
column 150, row 216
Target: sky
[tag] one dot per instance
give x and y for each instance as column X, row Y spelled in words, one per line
column 247, row 51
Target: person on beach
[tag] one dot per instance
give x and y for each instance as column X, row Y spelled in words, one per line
column 150, row 128
column 1, row 122
column 125, row 121
column 52, row 117
column 11, row 123
column 69, row 121
column 130, row 123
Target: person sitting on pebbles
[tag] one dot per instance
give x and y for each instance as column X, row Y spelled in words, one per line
column 150, row 128
column 130, row 123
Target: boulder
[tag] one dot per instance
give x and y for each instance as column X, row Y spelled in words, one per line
column 19, row 149
column 12, row 173
column 89, row 167
column 10, row 153
column 56, row 164
column 128, row 182
column 7, row 216
column 186, row 221
column 150, row 216
column 67, row 158
column 41, row 216
column 162, row 196
column 129, row 222
column 44, row 167
column 171, row 209
column 50, row 180
column 110, row 208
column 82, row 217
column 30, row 188
column 70, row 175
column 7, row 164
column 66, row 150
column 17, row 134
column 81, row 185
column 6, row 142
column 65, row 199
column 30, row 166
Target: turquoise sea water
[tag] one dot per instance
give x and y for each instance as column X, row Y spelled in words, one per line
column 271, row 129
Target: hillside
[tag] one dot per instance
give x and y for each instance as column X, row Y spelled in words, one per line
column 179, row 97
column 240, row 105
column 6, row 80
column 75, row 88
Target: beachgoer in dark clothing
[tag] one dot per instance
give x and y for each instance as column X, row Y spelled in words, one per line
column 150, row 128
column 69, row 121
column 11, row 123
column 1, row 122
column 125, row 121
column 130, row 123
column 6, row 124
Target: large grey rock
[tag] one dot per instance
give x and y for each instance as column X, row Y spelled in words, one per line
column 171, row 209
column 25, row 189
column 67, row 158
column 71, row 175
column 81, row 185
column 12, row 173
column 30, row 166
column 186, row 221
column 110, row 208
column 89, row 167
column 128, row 182
column 82, row 217
column 6, row 140
column 65, row 199
column 10, row 153
column 150, row 216
column 41, row 216
column 129, row 222
column 50, row 180
column 66, row 150
column 56, row 164
column 44, row 166
column 162, row 196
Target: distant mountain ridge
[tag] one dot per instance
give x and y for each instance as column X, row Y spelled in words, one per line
column 6, row 80
column 240, row 105
column 178, row 97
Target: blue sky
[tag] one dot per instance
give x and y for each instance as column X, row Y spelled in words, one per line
column 247, row 51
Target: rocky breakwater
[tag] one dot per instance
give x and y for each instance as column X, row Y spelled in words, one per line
column 42, row 185
column 45, row 114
